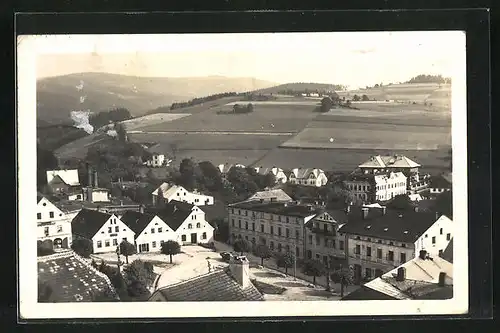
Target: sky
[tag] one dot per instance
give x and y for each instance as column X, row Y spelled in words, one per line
column 355, row 59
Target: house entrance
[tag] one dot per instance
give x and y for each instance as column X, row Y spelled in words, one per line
column 144, row 247
column 194, row 238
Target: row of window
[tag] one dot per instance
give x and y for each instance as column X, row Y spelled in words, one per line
column 51, row 215
column 46, row 230
column 278, row 247
column 448, row 236
column 262, row 215
column 329, row 243
column 107, row 242
column 389, row 255
column 271, row 229
column 380, row 241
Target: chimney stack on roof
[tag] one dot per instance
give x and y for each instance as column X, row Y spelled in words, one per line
column 401, row 276
column 364, row 212
column 384, row 210
column 96, row 184
column 442, row 278
column 423, row 254
column 437, row 216
column 240, row 270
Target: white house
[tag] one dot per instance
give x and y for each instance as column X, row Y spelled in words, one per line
column 150, row 231
column 436, row 238
column 309, row 177
column 278, row 173
column 157, row 160
column 53, row 226
column 179, row 193
column 105, row 230
column 96, row 194
column 389, row 186
column 187, row 221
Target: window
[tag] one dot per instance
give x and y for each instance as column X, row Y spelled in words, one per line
column 441, row 231
column 153, row 244
column 106, row 243
column 253, row 226
column 433, row 239
column 204, row 235
column 110, row 230
column 368, row 251
column 368, row 273
column 318, row 240
column 297, row 252
column 379, row 241
column 246, row 212
column 403, row 245
column 239, row 211
column 279, row 231
column 239, row 224
column 59, row 228
column 448, row 237
column 99, row 244
column 297, row 234
column 190, row 226
column 124, row 239
column 39, row 216
column 287, row 220
column 271, row 230
column 51, row 215
column 440, row 253
column 183, row 238
column 117, row 229
column 391, row 243
column 261, row 228
column 279, row 247
column 310, row 239
column 357, row 250
column 379, row 253
column 232, row 210
column 287, row 232
column 341, row 245
column 115, row 241
column 403, row 257
column 232, row 222
column 46, row 231
column 271, row 245
column 246, row 225
column 160, row 229
column 390, row 256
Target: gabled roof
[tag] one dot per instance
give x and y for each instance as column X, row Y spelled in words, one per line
column 389, row 161
column 448, row 252
column 71, row 279
column 278, row 208
column 69, row 177
column 304, row 173
column 88, row 222
column 363, row 293
column 421, row 280
column 278, row 194
column 173, row 213
column 440, row 181
column 383, row 178
column 136, row 221
column 338, row 215
column 405, row 226
column 214, row 286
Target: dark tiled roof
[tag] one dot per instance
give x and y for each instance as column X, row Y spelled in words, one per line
column 287, row 209
column 439, row 182
column 421, row 289
column 88, row 222
column 71, row 279
column 215, row 286
column 360, row 177
column 401, row 226
column 136, row 221
column 338, row 215
column 173, row 213
column 363, row 294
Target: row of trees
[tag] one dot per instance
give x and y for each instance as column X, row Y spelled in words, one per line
column 109, row 117
column 258, row 97
column 201, row 100
column 356, row 98
column 425, row 78
column 337, row 272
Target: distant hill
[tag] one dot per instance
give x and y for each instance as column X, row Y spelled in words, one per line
column 57, row 96
column 301, row 87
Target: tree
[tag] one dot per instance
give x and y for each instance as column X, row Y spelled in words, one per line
column 46, row 160
column 313, row 268
column 83, row 247
column 139, row 276
column 263, row 252
column 365, row 98
column 356, row 98
column 401, row 203
column 250, row 107
column 285, row 260
column 44, row 249
column 241, row 246
column 120, row 132
column 188, row 174
column 344, row 276
column 127, row 249
column 326, row 104
column 170, row 248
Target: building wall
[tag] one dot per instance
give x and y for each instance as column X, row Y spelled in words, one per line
column 112, row 233
column 75, row 197
column 388, row 188
column 71, row 176
column 154, row 234
column 436, row 238
column 319, row 181
column 156, row 160
column 360, row 190
column 192, row 198
column 195, row 224
column 100, row 196
column 375, row 262
column 53, row 224
column 324, row 245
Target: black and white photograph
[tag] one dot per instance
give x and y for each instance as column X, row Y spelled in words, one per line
column 242, row 174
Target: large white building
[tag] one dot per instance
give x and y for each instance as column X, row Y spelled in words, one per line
column 436, row 239
column 308, row 177
column 53, row 226
column 369, row 188
column 106, row 231
column 178, row 193
column 156, row 161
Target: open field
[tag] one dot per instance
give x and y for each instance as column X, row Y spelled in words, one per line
column 152, row 119
column 308, row 102
column 290, row 118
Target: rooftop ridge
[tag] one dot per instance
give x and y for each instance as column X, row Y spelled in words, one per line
column 216, row 270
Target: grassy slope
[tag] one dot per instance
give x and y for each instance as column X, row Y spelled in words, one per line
column 295, row 86
column 57, row 96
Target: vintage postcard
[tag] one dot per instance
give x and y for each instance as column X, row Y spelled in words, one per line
column 242, row 175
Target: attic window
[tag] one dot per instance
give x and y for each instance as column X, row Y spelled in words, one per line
column 405, row 232
column 44, row 204
column 368, row 226
column 385, row 229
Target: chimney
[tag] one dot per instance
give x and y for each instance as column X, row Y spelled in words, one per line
column 89, row 194
column 384, row 210
column 95, row 179
column 437, row 216
column 141, row 209
column 121, row 202
column 401, row 274
column 240, row 269
column 89, row 175
column 423, row 254
column 364, row 211
column 442, row 277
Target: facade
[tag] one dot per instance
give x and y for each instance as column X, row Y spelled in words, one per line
column 279, row 174
column 379, row 239
column 187, row 221
column 435, row 240
column 397, row 163
column 179, row 193
column 150, row 231
column 156, row 161
column 369, row 188
column 93, row 194
column 53, row 226
column 279, row 225
column 308, row 177
column 106, row 231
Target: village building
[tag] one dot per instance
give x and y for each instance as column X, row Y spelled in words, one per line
column 67, row 277
column 106, row 231
column 278, row 173
column 279, row 225
column 379, row 164
column 277, row 195
column 440, row 184
column 228, row 284
column 421, row 278
column 308, row 177
column 53, row 226
column 225, row 167
column 187, row 221
column 370, row 188
column 64, row 183
column 156, row 161
column 171, row 192
column 380, row 239
column 150, row 231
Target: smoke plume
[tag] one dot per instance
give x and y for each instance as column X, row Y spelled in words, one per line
column 81, row 120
